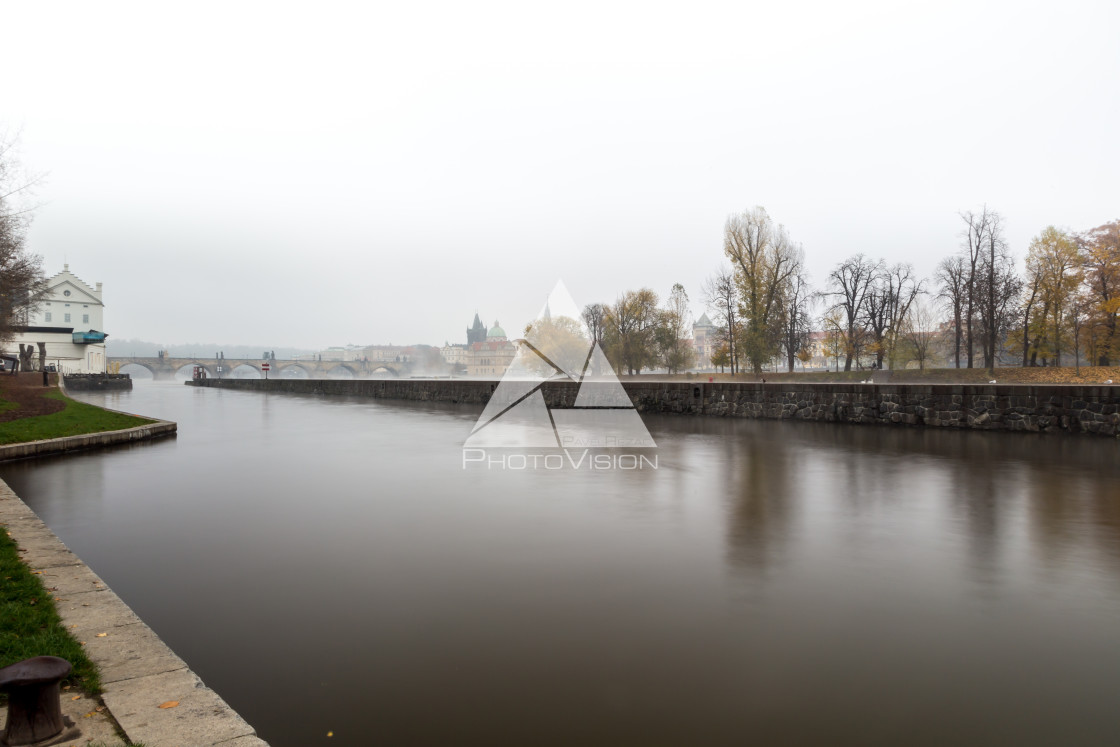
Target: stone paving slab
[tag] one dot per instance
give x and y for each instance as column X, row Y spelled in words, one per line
column 76, row 579
column 138, row 671
column 200, row 718
column 40, row 553
column 128, row 652
column 93, row 612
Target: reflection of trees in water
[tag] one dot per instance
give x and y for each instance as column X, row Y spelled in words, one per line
column 1068, row 507
column 758, row 488
column 1067, row 489
column 1105, row 515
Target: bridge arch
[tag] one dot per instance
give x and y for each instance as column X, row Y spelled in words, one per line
column 138, row 364
column 339, row 371
column 209, row 368
column 244, row 370
column 292, row 371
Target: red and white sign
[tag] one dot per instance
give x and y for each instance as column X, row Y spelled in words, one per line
column 265, row 366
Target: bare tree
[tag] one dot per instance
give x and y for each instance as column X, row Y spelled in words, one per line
column 889, row 297
column 721, row 296
column 997, row 297
column 999, row 287
column 1078, row 317
column 975, row 238
column 850, row 284
column 951, row 278
column 595, row 317
column 920, row 330
column 797, row 302
column 21, row 273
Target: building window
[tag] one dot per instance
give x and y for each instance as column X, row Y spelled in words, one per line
column 48, row 316
column 67, row 318
column 66, row 293
column 85, row 318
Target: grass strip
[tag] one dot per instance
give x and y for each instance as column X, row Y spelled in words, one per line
column 30, row 624
column 75, row 419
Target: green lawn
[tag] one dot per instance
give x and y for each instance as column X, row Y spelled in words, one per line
column 30, row 625
column 75, row 419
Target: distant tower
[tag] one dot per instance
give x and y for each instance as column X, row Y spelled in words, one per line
column 704, row 339
column 477, row 331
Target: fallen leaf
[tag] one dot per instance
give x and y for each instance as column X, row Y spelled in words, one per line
column 76, row 697
column 102, row 635
column 99, row 709
column 169, row 704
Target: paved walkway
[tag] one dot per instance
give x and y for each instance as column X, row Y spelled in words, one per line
column 138, row 671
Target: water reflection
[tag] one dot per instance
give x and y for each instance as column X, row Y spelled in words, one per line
column 778, row 583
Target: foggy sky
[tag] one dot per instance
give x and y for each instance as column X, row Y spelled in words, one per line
column 335, row 174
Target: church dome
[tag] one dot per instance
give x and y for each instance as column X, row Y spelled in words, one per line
column 496, row 332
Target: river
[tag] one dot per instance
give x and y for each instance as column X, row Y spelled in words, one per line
column 328, row 565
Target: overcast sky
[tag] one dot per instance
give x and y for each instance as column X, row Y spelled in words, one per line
column 337, row 173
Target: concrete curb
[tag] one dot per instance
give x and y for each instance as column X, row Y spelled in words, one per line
column 138, row 670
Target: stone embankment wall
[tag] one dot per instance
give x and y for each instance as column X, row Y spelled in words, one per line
column 97, row 382
column 50, row 446
column 1037, row 409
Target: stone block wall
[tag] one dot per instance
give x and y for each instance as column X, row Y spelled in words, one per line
column 1091, row 410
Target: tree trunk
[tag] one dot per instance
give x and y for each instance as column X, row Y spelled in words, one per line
column 957, row 337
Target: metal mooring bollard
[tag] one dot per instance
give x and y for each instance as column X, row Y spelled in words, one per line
column 34, row 710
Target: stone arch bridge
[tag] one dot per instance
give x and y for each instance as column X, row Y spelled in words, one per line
column 165, row 368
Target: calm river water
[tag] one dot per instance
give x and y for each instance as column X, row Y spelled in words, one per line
column 327, row 565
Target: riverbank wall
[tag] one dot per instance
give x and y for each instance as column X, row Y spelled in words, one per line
column 1090, row 410
column 99, row 382
column 27, row 449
